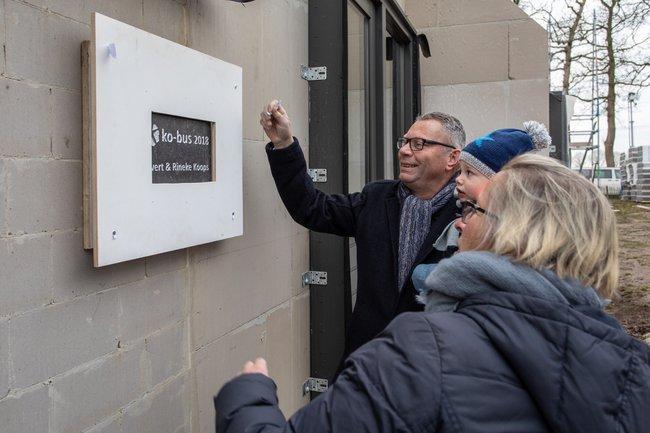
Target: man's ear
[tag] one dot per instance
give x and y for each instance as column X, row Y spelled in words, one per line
column 454, row 159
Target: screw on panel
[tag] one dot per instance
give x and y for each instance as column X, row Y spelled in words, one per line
column 112, row 51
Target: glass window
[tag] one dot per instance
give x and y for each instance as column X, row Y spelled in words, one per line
column 603, row 173
column 356, row 99
column 357, row 123
column 389, row 170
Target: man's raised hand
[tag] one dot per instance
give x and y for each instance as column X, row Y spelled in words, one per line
column 276, row 124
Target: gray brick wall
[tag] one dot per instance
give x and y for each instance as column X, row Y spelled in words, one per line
column 488, row 52
column 140, row 346
column 26, row 411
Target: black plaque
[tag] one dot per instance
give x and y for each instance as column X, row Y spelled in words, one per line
column 181, row 149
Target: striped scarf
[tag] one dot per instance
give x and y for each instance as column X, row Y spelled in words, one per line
column 414, row 224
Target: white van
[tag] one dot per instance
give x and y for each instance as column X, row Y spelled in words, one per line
column 607, row 179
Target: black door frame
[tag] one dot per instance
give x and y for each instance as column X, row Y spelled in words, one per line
column 406, row 79
column 330, row 305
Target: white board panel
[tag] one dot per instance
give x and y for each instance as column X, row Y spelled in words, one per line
column 135, row 73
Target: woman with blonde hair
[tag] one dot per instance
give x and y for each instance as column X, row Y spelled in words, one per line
column 513, row 337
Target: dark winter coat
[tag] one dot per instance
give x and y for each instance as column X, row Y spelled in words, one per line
column 502, row 362
column 372, row 217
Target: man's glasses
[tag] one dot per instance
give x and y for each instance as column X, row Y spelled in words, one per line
column 417, row 144
column 468, row 209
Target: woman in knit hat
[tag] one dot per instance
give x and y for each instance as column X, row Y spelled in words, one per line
column 479, row 162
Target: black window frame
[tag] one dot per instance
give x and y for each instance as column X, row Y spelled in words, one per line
column 330, row 305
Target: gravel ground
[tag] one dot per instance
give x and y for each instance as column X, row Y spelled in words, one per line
column 632, row 307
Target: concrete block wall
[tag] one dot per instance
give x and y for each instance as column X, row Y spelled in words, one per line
column 140, row 346
column 488, row 65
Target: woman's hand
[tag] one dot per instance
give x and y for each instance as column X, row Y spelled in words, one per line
column 276, row 124
column 259, row 366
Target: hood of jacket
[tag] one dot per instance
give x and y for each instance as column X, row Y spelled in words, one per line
column 469, row 273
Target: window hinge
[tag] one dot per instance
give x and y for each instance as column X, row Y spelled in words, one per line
column 318, row 278
column 314, row 384
column 318, row 175
column 317, row 73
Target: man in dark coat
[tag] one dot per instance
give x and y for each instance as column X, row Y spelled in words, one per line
column 395, row 222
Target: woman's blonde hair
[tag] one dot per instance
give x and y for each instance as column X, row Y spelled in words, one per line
column 547, row 216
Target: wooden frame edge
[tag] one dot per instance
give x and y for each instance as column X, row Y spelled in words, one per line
column 92, row 105
column 86, row 146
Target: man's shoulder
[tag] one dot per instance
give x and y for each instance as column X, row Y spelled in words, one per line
column 381, row 186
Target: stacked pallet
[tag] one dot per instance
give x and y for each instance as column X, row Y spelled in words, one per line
column 635, row 174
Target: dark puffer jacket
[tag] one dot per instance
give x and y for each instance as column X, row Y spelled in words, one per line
column 501, row 362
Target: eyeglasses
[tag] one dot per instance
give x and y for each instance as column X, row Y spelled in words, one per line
column 468, row 209
column 417, row 144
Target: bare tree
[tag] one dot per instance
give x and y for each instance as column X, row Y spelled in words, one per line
column 613, row 48
column 568, row 33
column 565, row 40
column 622, row 56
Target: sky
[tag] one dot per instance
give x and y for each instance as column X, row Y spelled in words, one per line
column 641, row 112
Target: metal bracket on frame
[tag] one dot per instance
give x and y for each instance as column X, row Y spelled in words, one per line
column 317, row 73
column 314, row 384
column 318, row 175
column 318, row 278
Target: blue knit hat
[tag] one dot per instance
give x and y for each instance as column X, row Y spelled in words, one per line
column 488, row 154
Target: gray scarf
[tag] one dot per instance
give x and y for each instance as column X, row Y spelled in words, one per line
column 473, row 272
column 414, row 224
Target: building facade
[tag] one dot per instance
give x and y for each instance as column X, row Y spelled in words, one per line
column 143, row 346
